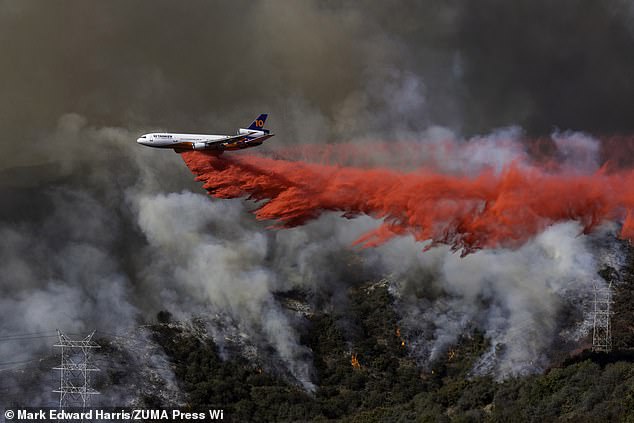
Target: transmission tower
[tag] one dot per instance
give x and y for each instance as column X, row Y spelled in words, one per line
column 74, row 371
column 602, row 331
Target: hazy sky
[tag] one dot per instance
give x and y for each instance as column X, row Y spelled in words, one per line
column 207, row 65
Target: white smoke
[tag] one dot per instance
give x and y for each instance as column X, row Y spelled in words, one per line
column 514, row 297
column 579, row 152
column 202, row 245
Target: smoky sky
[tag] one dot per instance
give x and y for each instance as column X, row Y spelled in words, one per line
column 566, row 64
column 205, row 65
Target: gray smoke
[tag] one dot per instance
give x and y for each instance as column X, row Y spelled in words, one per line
column 216, row 261
column 515, row 297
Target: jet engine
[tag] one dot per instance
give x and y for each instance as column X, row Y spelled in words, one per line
column 199, row 145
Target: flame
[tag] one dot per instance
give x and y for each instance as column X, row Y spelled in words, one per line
column 398, row 335
column 354, row 361
column 450, row 355
column 468, row 213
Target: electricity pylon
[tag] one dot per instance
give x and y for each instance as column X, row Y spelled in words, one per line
column 602, row 330
column 74, row 371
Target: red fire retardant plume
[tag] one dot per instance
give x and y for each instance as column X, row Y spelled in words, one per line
column 468, row 213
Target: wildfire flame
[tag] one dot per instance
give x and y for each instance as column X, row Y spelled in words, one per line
column 398, row 335
column 354, row 361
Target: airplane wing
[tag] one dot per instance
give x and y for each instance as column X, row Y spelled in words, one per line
column 234, row 138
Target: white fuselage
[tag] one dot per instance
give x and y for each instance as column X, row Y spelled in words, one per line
column 181, row 142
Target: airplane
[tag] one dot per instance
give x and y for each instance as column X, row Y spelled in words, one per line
column 249, row 137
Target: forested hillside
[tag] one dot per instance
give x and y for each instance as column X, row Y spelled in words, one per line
column 371, row 377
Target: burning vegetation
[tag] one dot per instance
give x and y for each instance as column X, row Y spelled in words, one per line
column 355, row 361
column 399, row 337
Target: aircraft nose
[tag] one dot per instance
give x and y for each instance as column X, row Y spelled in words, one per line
column 141, row 141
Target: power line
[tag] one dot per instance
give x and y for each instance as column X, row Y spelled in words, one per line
column 20, row 338
column 20, row 362
column 28, row 334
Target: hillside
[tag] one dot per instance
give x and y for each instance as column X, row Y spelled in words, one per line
column 371, row 376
